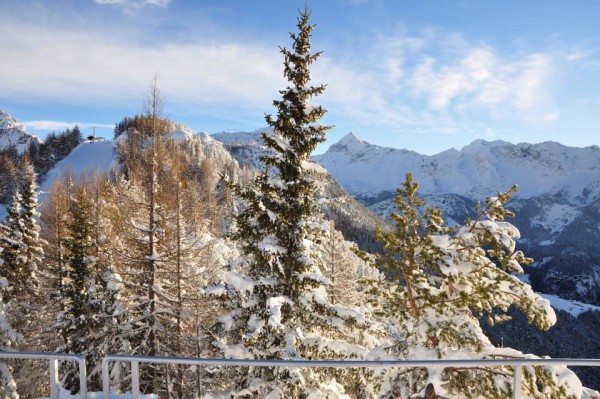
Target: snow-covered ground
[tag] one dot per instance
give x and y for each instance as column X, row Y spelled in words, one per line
column 88, row 157
column 573, row 307
column 63, row 394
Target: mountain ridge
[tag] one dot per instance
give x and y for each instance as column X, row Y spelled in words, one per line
column 477, row 170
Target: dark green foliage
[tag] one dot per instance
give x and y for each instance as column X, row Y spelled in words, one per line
column 282, row 198
column 9, row 174
column 81, row 311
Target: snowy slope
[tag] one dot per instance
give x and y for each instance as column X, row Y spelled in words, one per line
column 477, row 170
column 99, row 156
column 88, row 157
column 13, row 134
column 575, row 308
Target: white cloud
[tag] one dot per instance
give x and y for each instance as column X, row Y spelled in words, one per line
column 480, row 78
column 74, row 67
column 62, row 125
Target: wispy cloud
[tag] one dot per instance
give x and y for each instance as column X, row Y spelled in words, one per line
column 481, row 78
column 75, row 66
column 443, row 83
column 62, row 125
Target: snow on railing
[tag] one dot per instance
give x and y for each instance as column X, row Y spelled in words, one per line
column 516, row 363
column 53, row 358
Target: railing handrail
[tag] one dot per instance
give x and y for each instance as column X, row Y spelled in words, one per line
column 516, row 363
column 53, row 359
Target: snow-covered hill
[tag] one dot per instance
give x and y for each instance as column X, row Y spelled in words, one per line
column 100, row 157
column 477, row 170
column 14, row 135
column 88, row 157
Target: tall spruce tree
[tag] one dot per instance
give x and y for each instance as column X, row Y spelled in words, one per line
column 442, row 280
column 22, row 258
column 280, row 307
column 79, row 319
column 33, row 251
column 22, row 252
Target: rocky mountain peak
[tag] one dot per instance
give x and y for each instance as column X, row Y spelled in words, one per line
column 349, row 143
column 14, row 135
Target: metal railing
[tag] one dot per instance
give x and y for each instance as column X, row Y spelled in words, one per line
column 53, row 358
column 516, row 363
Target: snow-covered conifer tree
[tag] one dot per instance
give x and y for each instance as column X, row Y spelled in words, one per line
column 340, row 263
column 22, row 256
column 441, row 282
column 11, row 243
column 276, row 291
column 78, row 322
column 8, row 386
column 33, row 250
column 23, row 251
column 82, row 285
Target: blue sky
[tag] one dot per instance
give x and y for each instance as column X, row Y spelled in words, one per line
column 424, row 75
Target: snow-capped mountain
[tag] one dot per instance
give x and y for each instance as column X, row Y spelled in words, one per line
column 557, row 205
column 14, row 135
column 477, row 170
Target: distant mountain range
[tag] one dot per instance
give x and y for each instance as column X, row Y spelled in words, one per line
column 477, row 170
column 557, row 204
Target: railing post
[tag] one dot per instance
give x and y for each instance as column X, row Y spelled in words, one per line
column 135, row 380
column 105, row 379
column 54, row 388
column 517, row 382
column 82, row 378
